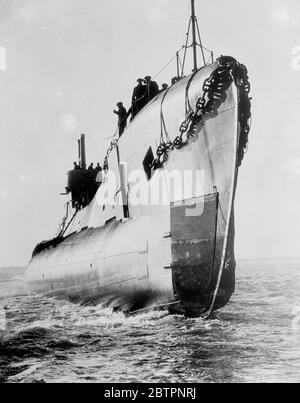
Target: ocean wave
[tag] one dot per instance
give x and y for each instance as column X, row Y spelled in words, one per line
column 254, row 339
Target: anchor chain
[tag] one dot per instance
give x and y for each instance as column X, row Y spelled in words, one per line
column 214, row 94
column 112, row 146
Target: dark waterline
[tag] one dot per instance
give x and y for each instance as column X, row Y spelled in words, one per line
column 254, row 339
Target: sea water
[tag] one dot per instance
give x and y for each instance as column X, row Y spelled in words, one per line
column 256, row 338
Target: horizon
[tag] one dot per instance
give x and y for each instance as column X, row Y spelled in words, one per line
column 49, row 100
column 238, row 260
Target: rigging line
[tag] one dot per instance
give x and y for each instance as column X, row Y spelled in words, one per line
column 201, row 45
column 162, row 118
column 181, row 65
column 166, row 183
column 113, row 136
column 64, row 230
column 173, row 58
column 139, row 99
column 188, row 107
column 206, row 49
column 186, row 46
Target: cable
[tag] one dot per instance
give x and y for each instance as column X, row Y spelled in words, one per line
column 173, row 58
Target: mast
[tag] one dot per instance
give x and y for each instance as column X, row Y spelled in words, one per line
column 194, row 27
column 82, row 152
column 192, row 43
column 79, row 152
column 178, row 64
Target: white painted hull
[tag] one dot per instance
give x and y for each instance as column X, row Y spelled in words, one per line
column 159, row 256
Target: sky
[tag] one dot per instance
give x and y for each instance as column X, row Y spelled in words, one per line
column 65, row 63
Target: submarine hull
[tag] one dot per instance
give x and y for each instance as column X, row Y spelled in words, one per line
column 150, row 271
column 177, row 255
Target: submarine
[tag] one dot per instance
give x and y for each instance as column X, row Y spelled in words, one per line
column 156, row 228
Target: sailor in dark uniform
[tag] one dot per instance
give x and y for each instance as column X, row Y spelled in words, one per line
column 76, row 166
column 164, row 87
column 122, row 113
column 91, row 167
column 175, row 80
column 139, row 97
column 152, row 87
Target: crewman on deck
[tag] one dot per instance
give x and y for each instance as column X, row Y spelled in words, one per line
column 98, row 168
column 164, row 87
column 175, row 80
column 91, row 167
column 139, row 97
column 152, row 88
column 76, row 166
column 122, row 114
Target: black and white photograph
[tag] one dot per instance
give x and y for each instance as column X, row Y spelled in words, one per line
column 149, row 194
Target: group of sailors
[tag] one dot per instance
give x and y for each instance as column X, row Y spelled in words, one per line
column 94, row 171
column 93, row 176
column 144, row 92
column 84, row 184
